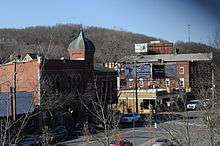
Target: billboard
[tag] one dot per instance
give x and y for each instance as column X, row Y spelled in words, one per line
column 140, row 48
column 158, row 71
column 170, row 70
column 143, row 70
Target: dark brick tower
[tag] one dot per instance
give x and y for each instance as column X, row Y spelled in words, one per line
column 82, row 48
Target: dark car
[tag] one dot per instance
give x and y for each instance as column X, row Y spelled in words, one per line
column 29, row 140
column 58, row 134
column 217, row 144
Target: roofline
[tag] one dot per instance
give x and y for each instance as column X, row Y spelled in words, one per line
column 167, row 57
column 17, row 62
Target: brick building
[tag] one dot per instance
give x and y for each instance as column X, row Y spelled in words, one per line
column 157, row 47
column 69, row 77
column 160, row 78
column 154, row 47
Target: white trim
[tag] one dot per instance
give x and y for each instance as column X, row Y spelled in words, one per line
column 183, row 82
column 72, row 58
column 182, row 70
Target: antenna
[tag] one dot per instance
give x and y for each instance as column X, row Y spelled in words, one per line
column 80, row 27
column 189, row 27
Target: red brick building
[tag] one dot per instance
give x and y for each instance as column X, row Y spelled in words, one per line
column 160, row 77
column 74, row 75
column 157, row 47
column 154, row 47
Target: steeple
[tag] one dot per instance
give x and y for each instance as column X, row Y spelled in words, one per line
column 81, row 48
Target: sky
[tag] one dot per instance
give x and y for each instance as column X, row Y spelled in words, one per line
column 171, row 20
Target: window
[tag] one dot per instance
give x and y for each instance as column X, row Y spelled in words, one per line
column 181, row 71
column 122, row 83
column 167, row 82
column 141, row 82
column 181, row 82
column 148, row 104
column 130, row 83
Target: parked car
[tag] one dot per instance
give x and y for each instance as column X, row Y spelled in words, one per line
column 217, row 144
column 195, row 104
column 29, row 140
column 131, row 117
column 58, row 134
column 163, row 142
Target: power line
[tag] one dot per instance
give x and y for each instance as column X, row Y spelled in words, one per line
column 189, row 31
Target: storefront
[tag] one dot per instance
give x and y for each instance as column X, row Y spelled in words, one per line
column 127, row 101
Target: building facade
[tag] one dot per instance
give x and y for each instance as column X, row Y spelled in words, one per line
column 70, row 77
column 160, row 78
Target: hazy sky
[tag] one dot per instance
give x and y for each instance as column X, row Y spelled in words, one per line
column 167, row 19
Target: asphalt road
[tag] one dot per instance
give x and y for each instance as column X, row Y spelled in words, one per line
column 177, row 128
column 137, row 136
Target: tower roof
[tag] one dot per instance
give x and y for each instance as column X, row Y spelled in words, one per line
column 81, row 43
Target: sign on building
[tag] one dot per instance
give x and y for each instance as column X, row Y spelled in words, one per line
column 158, row 71
column 140, row 48
column 170, row 70
column 143, row 70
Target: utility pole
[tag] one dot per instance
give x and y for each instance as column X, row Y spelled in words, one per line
column 136, row 87
column 13, row 92
column 213, row 85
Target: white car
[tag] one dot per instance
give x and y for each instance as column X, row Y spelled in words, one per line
column 195, row 104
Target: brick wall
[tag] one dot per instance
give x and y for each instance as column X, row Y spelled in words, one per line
column 27, row 76
column 77, row 54
column 160, row 48
column 182, row 71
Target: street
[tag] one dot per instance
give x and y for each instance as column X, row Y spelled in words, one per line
column 175, row 129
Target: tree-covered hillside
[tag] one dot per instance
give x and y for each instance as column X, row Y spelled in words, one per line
column 52, row 41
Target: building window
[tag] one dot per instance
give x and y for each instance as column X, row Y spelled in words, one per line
column 141, row 82
column 167, row 82
column 130, row 83
column 181, row 82
column 122, row 83
column 148, row 104
column 181, row 71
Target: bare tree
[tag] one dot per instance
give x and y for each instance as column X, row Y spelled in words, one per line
column 98, row 105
